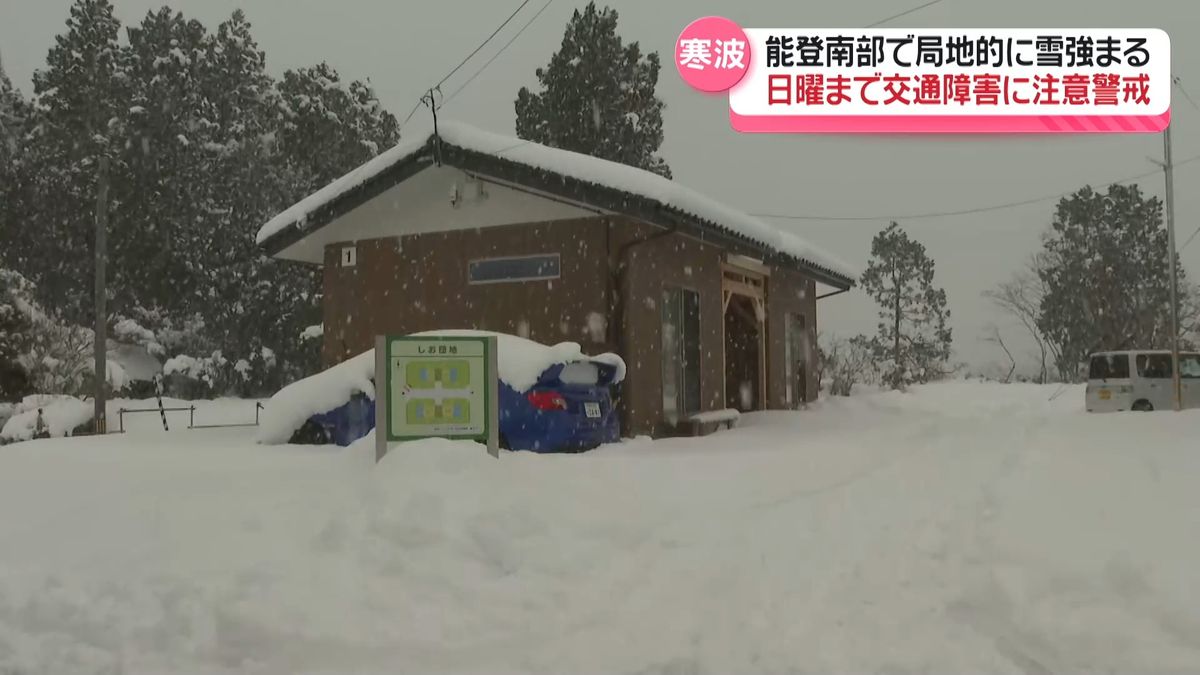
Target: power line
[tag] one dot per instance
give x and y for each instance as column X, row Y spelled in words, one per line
column 1189, row 240
column 1179, row 83
column 462, row 63
column 497, row 54
column 963, row 212
column 514, row 146
column 904, row 13
column 534, row 18
column 482, row 44
column 412, row 112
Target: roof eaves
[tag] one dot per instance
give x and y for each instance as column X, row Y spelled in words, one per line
column 403, row 169
column 620, row 201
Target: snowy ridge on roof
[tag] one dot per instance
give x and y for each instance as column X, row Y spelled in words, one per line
column 301, row 210
column 638, row 181
column 579, row 166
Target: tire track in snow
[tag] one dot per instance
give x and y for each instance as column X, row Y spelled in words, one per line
column 872, row 468
column 984, row 606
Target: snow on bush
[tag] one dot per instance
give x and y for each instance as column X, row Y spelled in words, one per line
column 518, row 364
column 115, row 375
column 191, row 367
column 131, row 332
column 312, row 332
column 844, row 363
column 61, row 414
column 55, row 355
column 205, row 376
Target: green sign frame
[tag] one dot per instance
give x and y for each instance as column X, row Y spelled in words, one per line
column 460, row 398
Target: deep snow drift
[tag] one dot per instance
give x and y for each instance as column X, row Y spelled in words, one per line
column 961, row 528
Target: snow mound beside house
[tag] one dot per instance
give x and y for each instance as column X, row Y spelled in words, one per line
column 62, row 414
column 518, row 364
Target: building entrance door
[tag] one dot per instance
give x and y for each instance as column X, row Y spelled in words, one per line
column 745, row 326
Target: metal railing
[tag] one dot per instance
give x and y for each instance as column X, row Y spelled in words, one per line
column 257, row 407
column 191, row 410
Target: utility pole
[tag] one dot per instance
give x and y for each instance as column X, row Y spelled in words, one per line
column 99, row 424
column 1172, row 264
column 431, row 101
column 1169, row 169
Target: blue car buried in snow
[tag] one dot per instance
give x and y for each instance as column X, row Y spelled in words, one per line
column 570, row 406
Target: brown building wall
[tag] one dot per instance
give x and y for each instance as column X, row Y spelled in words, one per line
column 419, row 282
column 789, row 292
column 665, row 261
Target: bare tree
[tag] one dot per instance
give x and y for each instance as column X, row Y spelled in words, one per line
column 996, row 339
column 846, row 363
column 1021, row 298
column 1189, row 317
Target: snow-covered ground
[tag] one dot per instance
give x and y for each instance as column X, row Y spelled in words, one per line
column 64, row 414
column 960, row 528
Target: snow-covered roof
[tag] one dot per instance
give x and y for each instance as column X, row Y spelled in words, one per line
column 663, row 193
column 297, row 215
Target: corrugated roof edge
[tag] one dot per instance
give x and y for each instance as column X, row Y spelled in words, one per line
column 295, row 222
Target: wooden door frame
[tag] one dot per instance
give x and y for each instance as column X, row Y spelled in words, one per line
column 752, row 284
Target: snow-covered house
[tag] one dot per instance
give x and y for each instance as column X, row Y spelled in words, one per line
column 711, row 308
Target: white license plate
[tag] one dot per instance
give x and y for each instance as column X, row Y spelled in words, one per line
column 591, row 409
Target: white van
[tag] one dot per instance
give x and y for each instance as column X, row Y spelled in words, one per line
column 1140, row 380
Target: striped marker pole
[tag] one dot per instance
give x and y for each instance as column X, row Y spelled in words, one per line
column 158, row 388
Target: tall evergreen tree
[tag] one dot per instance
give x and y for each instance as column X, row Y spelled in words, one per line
column 15, row 336
column 166, row 191
column 329, row 126
column 13, row 118
column 597, row 96
column 1106, row 276
column 254, row 302
column 204, row 147
column 913, row 341
column 80, row 98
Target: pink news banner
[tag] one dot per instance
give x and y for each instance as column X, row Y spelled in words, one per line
column 969, row 80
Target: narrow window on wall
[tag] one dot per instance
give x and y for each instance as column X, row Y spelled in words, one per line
column 681, row 353
column 796, row 357
column 514, row 269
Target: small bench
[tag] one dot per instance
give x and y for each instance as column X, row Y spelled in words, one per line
column 702, row 424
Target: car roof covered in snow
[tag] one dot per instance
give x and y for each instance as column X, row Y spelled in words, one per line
column 607, row 185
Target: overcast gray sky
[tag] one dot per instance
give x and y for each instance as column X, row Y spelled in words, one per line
column 403, row 46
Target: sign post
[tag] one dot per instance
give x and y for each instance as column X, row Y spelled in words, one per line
column 381, row 378
column 436, row 387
